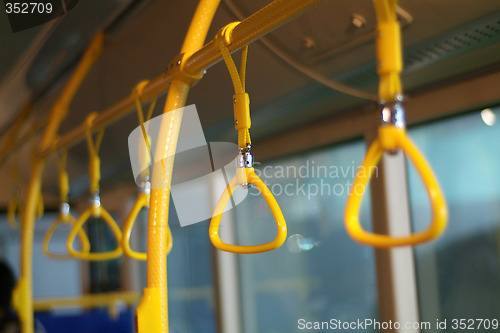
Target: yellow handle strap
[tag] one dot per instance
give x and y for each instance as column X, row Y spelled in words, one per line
column 391, row 138
column 145, row 156
column 63, row 177
column 65, row 216
column 94, row 160
column 141, row 202
column 142, row 198
column 95, row 210
column 63, row 219
column 247, row 175
column 389, row 55
column 241, row 100
column 86, row 255
column 39, row 204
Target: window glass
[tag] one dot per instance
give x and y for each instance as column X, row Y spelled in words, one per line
column 459, row 274
column 319, row 274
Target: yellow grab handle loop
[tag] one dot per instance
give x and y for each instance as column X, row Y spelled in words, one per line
column 247, row 175
column 241, row 100
column 94, row 160
column 391, row 138
column 389, row 55
column 95, row 210
column 141, row 202
column 64, row 219
column 77, row 228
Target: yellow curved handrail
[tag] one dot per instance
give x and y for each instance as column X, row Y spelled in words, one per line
column 61, row 219
column 247, row 176
column 141, row 202
column 391, row 138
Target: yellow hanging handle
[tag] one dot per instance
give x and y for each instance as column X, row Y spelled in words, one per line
column 392, row 137
column 65, row 216
column 141, row 202
column 95, row 210
column 144, row 196
column 245, row 174
column 389, row 50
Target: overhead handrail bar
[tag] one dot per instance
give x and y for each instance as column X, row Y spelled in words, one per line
column 187, row 67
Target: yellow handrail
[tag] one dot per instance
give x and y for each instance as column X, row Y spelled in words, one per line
column 152, row 312
column 109, row 300
column 245, row 174
column 392, row 137
column 23, row 293
column 95, row 210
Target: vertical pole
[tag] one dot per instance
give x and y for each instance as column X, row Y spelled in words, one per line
column 396, row 280
column 23, row 294
column 152, row 312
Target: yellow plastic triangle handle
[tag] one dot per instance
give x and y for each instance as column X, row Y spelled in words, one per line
column 391, row 138
column 101, row 256
column 247, row 175
column 141, row 202
column 84, row 241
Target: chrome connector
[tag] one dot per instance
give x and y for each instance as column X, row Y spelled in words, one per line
column 393, row 113
column 245, row 159
column 145, row 186
column 64, row 209
column 95, row 200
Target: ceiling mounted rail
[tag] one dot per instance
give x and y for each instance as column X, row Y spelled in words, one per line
column 252, row 28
